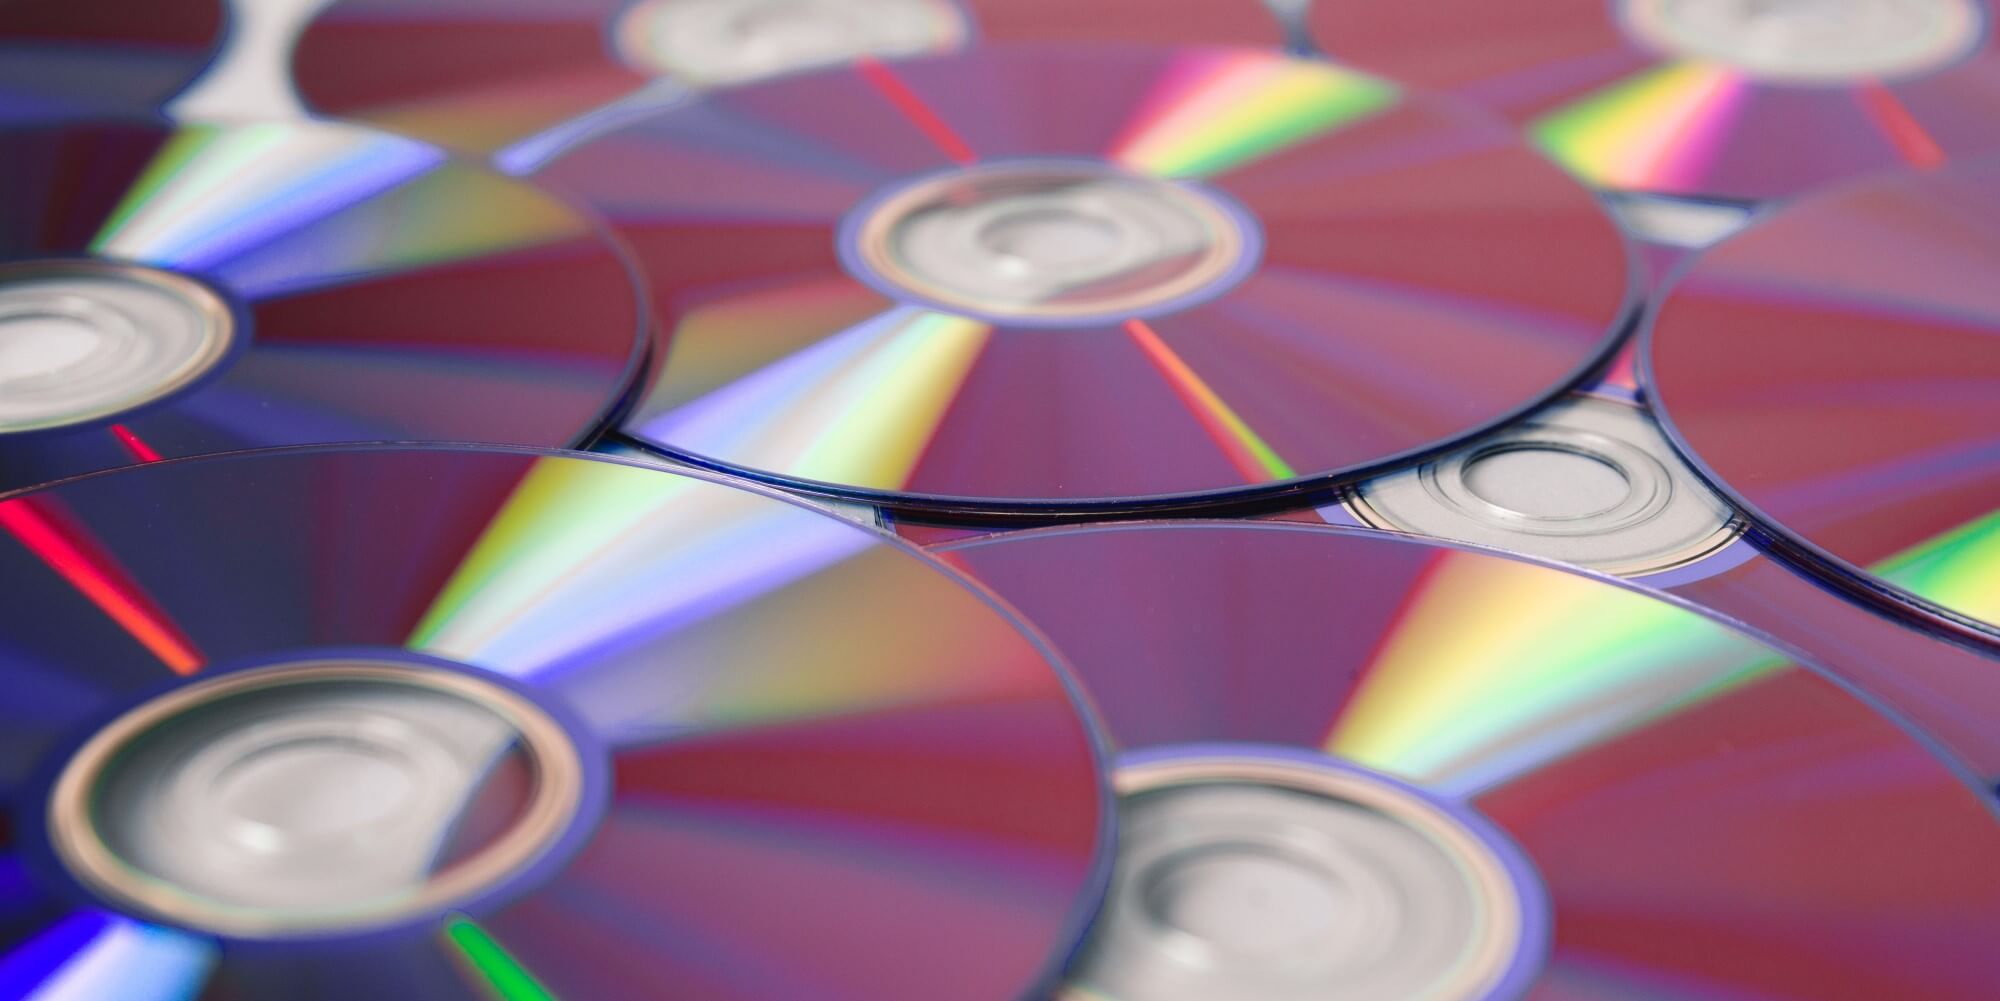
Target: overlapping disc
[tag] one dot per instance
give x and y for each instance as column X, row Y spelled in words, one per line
column 1835, row 367
column 1036, row 275
column 1661, row 808
column 1722, row 98
column 170, row 290
column 482, row 75
column 462, row 723
column 102, row 56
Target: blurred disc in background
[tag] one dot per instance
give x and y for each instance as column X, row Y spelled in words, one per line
column 170, row 290
column 480, row 75
column 67, row 58
column 1740, row 99
column 1094, row 277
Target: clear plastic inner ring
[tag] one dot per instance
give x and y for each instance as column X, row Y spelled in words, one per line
column 709, row 43
column 1591, row 482
column 83, row 340
column 1812, row 41
column 1051, row 241
column 314, row 796
column 1272, row 879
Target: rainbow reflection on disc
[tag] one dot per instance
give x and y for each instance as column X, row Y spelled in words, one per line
column 1704, row 817
column 1834, row 368
column 1718, row 98
column 479, row 75
column 799, row 759
column 175, row 290
column 1041, row 275
column 83, row 57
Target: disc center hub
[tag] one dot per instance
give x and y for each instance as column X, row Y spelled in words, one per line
column 1591, row 482
column 84, row 340
column 1051, row 242
column 314, row 795
column 327, row 782
column 716, row 42
column 1812, row 41
column 1245, row 876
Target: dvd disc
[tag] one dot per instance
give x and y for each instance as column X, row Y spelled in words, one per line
column 171, row 290
column 1111, row 276
column 1593, row 481
column 1834, row 369
column 472, row 723
column 1737, row 99
column 1401, row 770
column 81, row 57
column 480, row 75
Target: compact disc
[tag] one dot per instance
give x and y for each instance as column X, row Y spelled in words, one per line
column 1745, row 99
column 392, row 722
column 1593, row 481
column 1834, row 368
column 1043, row 275
column 79, row 57
column 1363, row 766
column 169, row 290
column 483, row 76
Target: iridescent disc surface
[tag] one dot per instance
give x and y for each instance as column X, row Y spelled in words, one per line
column 1836, row 367
column 480, row 75
column 823, row 767
column 1405, row 272
column 101, row 56
column 1757, row 111
column 364, row 288
column 1709, row 819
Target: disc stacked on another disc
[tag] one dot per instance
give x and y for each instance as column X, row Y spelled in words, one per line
column 481, row 75
column 1364, row 766
column 466, row 723
column 1031, row 276
column 1736, row 99
column 171, row 290
column 79, row 57
column 1836, row 369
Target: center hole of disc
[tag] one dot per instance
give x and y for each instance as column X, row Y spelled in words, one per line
column 1043, row 239
column 41, row 343
column 317, row 786
column 1544, row 482
column 1246, row 898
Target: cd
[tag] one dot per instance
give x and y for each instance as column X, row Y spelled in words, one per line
column 484, row 76
column 1362, row 765
column 1593, row 481
column 1095, row 277
column 393, row 722
column 168, row 290
column 1739, row 99
column 79, row 57
column 1833, row 368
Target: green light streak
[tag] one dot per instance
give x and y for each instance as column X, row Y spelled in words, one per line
column 509, row 980
column 1956, row 569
